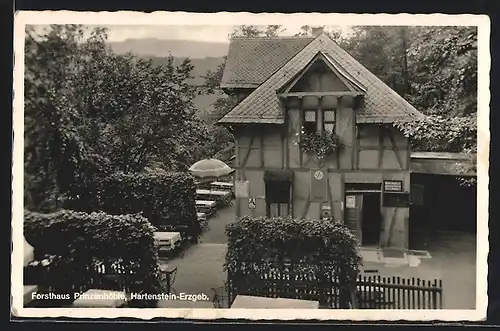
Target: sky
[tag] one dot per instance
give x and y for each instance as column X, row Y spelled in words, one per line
column 212, row 33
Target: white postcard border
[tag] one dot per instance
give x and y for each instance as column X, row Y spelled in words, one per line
column 183, row 18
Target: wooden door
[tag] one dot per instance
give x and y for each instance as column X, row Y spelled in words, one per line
column 354, row 214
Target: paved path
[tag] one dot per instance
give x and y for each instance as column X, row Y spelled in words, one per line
column 453, row 260
column 217, row 224
column 201, row 267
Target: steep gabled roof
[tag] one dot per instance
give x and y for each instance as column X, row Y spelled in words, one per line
column 250, row 61
column 347, row 79
column 382, row 104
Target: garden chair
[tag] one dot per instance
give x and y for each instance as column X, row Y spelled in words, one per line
column 169, row 277
column 221, row 297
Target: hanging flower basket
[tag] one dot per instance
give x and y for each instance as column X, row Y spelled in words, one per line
column 320, row 143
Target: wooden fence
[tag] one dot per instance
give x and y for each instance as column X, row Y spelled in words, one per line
column 376, row 292
column 291, row 282
column 373, row 292
column 55, row 277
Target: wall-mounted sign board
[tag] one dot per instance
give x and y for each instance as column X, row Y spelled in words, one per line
column 241, row 189
column 319, row 185
column 393, row 185
column 350, row 201
column 251, row 203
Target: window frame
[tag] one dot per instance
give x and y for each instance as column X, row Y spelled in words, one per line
column 323, row 122
column 316, row 119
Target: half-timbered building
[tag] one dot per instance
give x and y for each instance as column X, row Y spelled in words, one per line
column 289, row 87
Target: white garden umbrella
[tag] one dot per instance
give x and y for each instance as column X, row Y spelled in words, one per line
column 210, row 169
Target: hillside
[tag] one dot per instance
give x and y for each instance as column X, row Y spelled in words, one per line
column 165, row 47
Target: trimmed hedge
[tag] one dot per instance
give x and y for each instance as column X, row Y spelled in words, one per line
column 80, row 241
column 166, row 199
column 322, row 249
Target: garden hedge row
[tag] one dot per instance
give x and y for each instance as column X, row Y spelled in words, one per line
column 305, row 242
column 80, row 241
column 166, row 199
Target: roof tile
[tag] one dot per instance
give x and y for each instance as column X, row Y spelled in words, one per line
column 382, row 104
column 250, row 61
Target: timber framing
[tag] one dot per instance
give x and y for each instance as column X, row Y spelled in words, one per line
column 396, row 150
column 319, row 94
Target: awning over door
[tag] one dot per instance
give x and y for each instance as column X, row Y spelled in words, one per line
column 278, row 175
column 453, row 164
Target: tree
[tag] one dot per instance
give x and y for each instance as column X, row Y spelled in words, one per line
column 89, row 111
column 435, row 68
column 257, row 31
column 444, row 70
column 220, row 143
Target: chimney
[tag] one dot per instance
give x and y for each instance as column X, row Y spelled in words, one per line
column 317, row 31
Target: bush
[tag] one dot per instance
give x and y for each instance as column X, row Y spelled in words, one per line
column 167, row 200
column 79, row 242
column 324, row 251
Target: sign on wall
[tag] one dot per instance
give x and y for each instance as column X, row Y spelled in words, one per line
column 393, row 185
column 251, row 203
column 350, row 201
column 241, row 189
column 319, row 185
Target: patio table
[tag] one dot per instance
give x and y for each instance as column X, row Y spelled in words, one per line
column 213, row 192
column 247, row 301
column 168, row 239
column 206, row 203
column 225, row 185
column 94, row 298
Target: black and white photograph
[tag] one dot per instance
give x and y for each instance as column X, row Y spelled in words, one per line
column 257, row 166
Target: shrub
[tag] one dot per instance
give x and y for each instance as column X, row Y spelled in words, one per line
column 166, row 199
column 78, row 242
column 319, row 143
column 322, row 249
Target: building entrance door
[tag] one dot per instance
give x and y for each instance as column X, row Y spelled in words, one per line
column 354, row 214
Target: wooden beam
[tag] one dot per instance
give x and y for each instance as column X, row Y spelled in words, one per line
column 247, row 155
column 396, row 151
column 318, row 94
column 408, row 155
column 337, row 151
column 300, row 124
column 330, row 198
column 354, row 146
column 282, row 148
column 307, row 206
column 261, row 140
column 380, row 146
column 391, row 227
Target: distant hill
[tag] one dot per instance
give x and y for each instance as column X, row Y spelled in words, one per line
column 204, row 56
column 165, row 47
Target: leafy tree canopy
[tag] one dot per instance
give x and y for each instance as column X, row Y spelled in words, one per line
column 89, row 111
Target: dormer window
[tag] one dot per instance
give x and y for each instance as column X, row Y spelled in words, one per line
column 312, row 122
